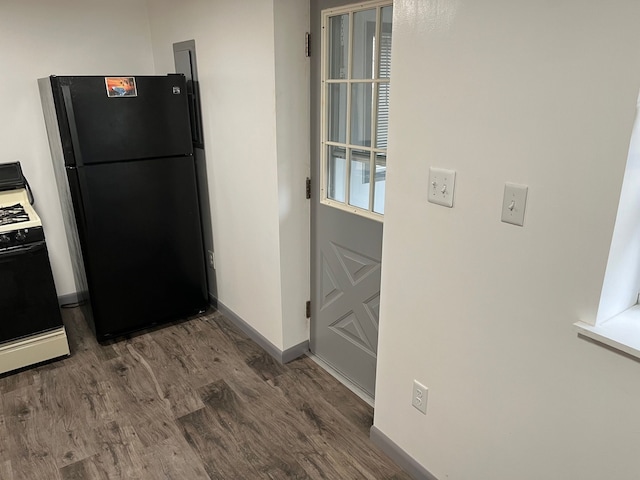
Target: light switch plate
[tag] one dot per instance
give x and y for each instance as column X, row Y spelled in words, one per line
column 514, row 203
column 441, row 186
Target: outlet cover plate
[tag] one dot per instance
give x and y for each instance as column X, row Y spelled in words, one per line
column 442, row 184
column 514, row 203
column 419, row 398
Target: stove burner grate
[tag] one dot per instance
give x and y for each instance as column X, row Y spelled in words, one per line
column 13, row 214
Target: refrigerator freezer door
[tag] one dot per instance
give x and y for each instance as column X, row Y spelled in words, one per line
column 143, row 248
column 98, row 128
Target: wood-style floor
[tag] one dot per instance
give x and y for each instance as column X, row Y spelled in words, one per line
column 193, row 400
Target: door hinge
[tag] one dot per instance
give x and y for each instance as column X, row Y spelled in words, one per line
column 307, row 44
column 308, row 188
column 308, row 308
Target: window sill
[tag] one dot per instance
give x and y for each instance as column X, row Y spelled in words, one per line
column 621, row 332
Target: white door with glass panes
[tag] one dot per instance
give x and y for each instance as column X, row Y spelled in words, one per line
column 350, row 75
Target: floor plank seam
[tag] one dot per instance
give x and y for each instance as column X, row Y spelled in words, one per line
column 196, row 399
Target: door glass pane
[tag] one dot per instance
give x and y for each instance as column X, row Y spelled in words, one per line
column 361, row 102
column 382, row 126
column 357, row 55
column 338, row 46
column 337, row 173
column 364, row 34
column 337, row 112
column 360, row 179
column 385, row 42
column 380, row 183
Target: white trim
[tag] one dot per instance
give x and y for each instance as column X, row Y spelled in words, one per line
column 347, row 181
column 356, row 80
column 373, row 134
column 621, row 332
column 329, row 143
column 351, row 209
column 355, row 7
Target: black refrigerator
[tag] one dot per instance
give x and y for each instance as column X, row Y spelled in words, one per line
column 124, row 165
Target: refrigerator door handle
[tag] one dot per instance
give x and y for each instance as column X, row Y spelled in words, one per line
column 73, row 127
column 79, row 188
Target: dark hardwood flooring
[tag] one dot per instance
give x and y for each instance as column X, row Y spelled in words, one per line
column 193, row 400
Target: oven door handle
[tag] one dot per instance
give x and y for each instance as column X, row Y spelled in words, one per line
column 12, row 252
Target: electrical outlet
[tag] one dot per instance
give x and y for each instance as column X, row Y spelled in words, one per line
column 212, row 259
column 419, row 398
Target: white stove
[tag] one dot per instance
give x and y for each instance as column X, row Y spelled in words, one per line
column 10, row 202
column 31, row 329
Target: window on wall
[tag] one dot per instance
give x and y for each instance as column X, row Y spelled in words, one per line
column 356, row 70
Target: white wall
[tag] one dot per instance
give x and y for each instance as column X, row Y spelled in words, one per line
column 292, row 117
column 254, row 177
column 250, row 169
column 540, row 93
column 60, row 37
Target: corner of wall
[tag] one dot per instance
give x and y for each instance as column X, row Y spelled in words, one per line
column 291, row 21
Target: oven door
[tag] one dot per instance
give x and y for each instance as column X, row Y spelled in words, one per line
column 28, row 299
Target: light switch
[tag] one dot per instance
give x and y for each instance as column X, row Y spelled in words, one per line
column 514, row 203
column 441, row 186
